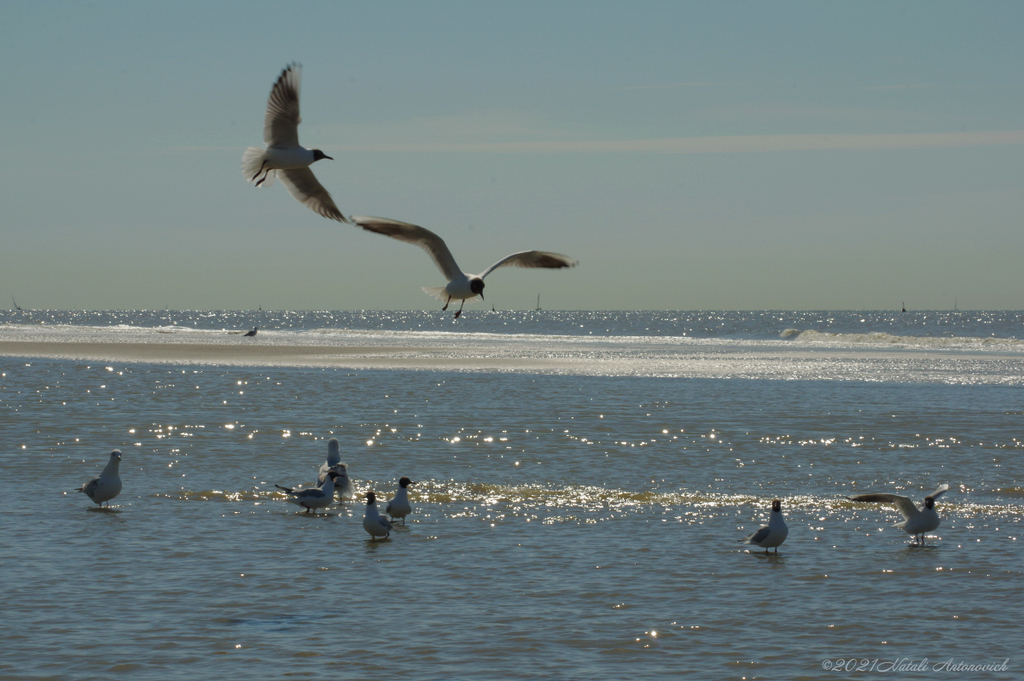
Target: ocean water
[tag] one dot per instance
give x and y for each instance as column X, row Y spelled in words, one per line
column 582, row 479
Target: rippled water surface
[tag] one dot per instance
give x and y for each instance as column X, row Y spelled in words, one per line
column 566, row 524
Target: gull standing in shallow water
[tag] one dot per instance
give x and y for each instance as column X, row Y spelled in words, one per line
column 399, row 507
column 284, row 157
column 461, row 285
column 916, row 521
column 107, row 485
column 772, row 534
column 312, row 498
column 342, row 483
column 373, row 521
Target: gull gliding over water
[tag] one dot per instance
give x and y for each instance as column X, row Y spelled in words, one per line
column 107, row 485
column 772, row 534
column 461, row 285
column 284, row 157
column 917, row 521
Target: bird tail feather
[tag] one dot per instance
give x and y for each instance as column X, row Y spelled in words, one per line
column 438, row 292
column 252, row 163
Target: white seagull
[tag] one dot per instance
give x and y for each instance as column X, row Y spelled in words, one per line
column 342, row 483
column 772, row 534
column 373, row 522
column 107, row 485
column 399, row 507
column 312, row 498
column 284, row 157
column 461, row 285
column 917, row 521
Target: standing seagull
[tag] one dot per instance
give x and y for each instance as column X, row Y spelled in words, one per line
column 461, row 285
column 917, row 521
column 107, row 485
column 342, row 483
column 312, row 498
column 373, row 522
column 284, row 157
column 399, row 507
column 772, row 534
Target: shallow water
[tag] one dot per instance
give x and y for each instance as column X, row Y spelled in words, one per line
column 565, row 524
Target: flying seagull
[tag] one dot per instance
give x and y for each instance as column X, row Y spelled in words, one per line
column 461, row 285
column 772, row 534
column 284, row 157
column 107, row 485
column 916, row 521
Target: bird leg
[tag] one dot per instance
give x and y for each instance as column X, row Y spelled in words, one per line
column 446, row 304
column 260, row 171
column 460, row 308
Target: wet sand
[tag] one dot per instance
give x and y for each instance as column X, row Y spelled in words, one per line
column 220, row 354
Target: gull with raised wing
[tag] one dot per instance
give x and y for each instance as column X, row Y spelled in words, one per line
column 107, row 485
column 312, row 498
column 342, row 483
column 373, row 522
column 916, row 521
column 284, row 157
column 399, row 507
column 772, row 534
column 461, row 285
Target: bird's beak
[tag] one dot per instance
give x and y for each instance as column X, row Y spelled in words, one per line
column 329, row 158
column 481, row 295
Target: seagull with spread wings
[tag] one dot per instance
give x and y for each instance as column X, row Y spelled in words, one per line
column 284, row 157
column 916, row 521
column 461, row 285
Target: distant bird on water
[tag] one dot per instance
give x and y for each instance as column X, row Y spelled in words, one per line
column 312, row 498
column 342, row 483
column 772, row 534
column 252, row 333
column 107, row 485
column 399, row 507
column 916, row 521
column 461, row 285
column 284, row 157
column 375, row 524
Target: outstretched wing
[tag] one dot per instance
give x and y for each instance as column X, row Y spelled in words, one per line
column 532, row 259
column 281, row 122
column 903, row 504
column 434, row 245
column 940, row 491
column 302, row 184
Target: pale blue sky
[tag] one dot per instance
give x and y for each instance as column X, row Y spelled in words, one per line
column 726, row 155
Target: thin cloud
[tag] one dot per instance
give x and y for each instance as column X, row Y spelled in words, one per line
column 735, row 144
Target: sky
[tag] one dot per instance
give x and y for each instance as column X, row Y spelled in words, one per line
column 691, row 155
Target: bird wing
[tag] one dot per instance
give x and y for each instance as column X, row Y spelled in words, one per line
column 434, row 245
column 281, row 122
column 289, row 490
column 940, row 491
column 385, row 523
column 758, row 536
column 89, row 488
column 302, row 184
column 532, row 259
column 903, row 504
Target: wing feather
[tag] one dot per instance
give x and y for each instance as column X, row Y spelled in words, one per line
column 302, row 184
column 434, row 245
column 281, row 122
column 942, row 489
column 532, row 259
column 903, row 504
